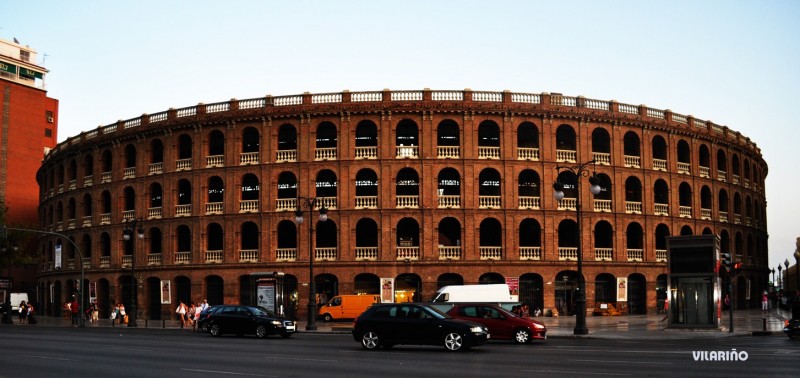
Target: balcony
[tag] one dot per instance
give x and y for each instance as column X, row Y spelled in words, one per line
column 684, row 168
column 248, row 158
column 747, row 183
column 59, row 226
column 105, row 261
column 490, row 253
column 325, row 254
column 448, row 152
column 601, row 205
column 215, row 161
column 567, row 253
column 635, row 254
column 633, row 207
column 71, row 224
column 213, row 256
column 370, row 152
column 526, row 202
column 723, row 216
column 487, row 152
column 737, row 218
column 183, row 257
column 633, row 161
column 525, row 153
column 248, row 206
column 214, row 208
column 407, row 202
column 407, row 253
column 328, row 153
column 662, row 209
column 366, row 202
column 566, row 156
column 248, row 255
column 402, row 152
column 705, row 172
column 129, row 173
column 154, row 259
column 105, row 177
column 87, row 262
column 183, row 210
column 735, row 179
column 366, row 253
column 72, row 184
column 449, row 252
column 126, row 261
column 286, row 204
column 705, row 214
column 530, row 253
column 722, row 175
column 602, row 158
column 87, row 221
column 88, row 181
column 567, row 204
column 183, row 164
column 71, row 264
column 155, row 168
column 285, row 156
column 285, row 254
column 489, row 202
column 660, row 165
column 685, row 211
column 154, row 213
column 326, row 202
column 128, row 215
column 603, row 254
column 661, row 255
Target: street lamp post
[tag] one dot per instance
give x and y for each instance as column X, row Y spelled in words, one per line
column 310, row 203
column 797, row 270
column 580, row 170
column 780, row 281
column 786, row 264
column 773, row 278
column 127, row 235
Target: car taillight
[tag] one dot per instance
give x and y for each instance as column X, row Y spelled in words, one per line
column 785, row 323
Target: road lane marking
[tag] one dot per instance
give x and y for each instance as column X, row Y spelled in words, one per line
column 47, row 358
column 299, row 359
column 629, row 362
column 227, row 372
column 573, row 372
column 132, row 349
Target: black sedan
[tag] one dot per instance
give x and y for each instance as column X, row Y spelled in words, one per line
column 202, row 321
column 241, row 320
column 386, row 325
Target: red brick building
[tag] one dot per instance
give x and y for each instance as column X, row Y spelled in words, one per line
column 28, row 123
column 424, row 188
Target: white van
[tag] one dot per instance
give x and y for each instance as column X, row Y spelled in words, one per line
column 15, row 300
column 492, row 293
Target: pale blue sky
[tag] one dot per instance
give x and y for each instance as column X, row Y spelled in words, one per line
column 732, row 62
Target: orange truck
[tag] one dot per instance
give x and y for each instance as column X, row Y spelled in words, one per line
column 347, row 306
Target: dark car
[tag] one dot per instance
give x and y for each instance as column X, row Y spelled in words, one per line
column 202, row 321
column 386, row 325
column 502, row 324
column 792, row 328
column 241, row 320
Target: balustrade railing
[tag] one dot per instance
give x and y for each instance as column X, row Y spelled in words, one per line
column 705, row 214
column 602, row 205
column 568, row 253
column 128, row 215
column 633, row 207
column 183, row 164
column 105, row 261
column 489, row 202
column 215, row 161
column 662, row 209
column 527, row 202
column 154, row 213
column 155, row 168
column 183, row 210
column 684, row 168
column 71, row 224
column 325, row 254
column 366, row 253
column 87, row 262
column 737, row 218
column 632, row 161
column 248, row 255
column 105, row 177
column 73, row 184
column 490, row 253
column 635, row 254
column 126, row 261
column 566, row 156
column 602, row 158
column 735, row 179
column 407, row 201
column 286, row 204
column 722, row 175
column 248, row 206
column 567, row 204
column 247, row 158
column 329, row 203
column 685, row 211
column 285, row 254
column 366, row 202
column 88, row 180
column 723, row 216
column 406, row 151
column 214, row 256
column 214, row 208
column 661, row 255
column 448, row 201
column 327, row 153
column 530, row 253
column 449, row 252
column 603, row 254
column 154, row 259
column 87, row 221
column 105, row 218
column 659, row 165
column 370, row 152
column 448, row 152
column 286, row 156
column 488, row 152
column 705, row 171
column 407, row 253
column 128, row 173
column 527, row 153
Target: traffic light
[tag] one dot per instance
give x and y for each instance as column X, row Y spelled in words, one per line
column 736, row 267
column 725, row 261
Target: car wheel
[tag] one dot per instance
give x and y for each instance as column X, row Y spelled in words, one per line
column 522, row 336
column 453, row 341
column 204, row 327
column 215, row 330
column 261, row 331
column 370, row 340
column 327, row 317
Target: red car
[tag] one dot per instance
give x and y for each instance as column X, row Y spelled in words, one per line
column 502, row 324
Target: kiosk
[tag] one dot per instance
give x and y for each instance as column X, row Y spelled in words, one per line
column 694, row 282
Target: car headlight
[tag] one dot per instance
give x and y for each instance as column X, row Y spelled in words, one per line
column 477, row 329
column 538, row 326
column 276, row 323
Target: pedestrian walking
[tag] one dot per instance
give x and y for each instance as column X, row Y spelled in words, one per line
column 190, row 314
column 75, row 310
column 123, row 316
column 30, row 311
column 197, row 310
column 181, row 311
column 23, row 312
column 95, row 312
column 764, row 301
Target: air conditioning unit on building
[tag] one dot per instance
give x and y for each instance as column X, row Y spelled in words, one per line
column 49, row 119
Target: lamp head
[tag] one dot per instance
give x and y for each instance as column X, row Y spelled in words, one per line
column 323, row 214
column 298, row 216
column 558, row 190
column 594, row 185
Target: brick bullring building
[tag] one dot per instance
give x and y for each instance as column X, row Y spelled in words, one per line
column 425, row 188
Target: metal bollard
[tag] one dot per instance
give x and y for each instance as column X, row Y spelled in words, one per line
column 764, row 321
column 145, row 322
column 163, row 323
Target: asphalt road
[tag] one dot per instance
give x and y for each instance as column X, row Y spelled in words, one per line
column 106, row 352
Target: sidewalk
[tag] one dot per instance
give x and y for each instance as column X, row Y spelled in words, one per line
column 746, row 323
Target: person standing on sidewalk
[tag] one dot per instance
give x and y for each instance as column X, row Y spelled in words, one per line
column 23, row 312
column 764, row 301
column 181, row 311
column 75, row 311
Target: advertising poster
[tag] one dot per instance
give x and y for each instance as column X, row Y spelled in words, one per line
column 266, row 296
column 57, row 256
column 166, row 292
column 387, row 290
column 513, row 287
column 92, row 292
column 622, row 289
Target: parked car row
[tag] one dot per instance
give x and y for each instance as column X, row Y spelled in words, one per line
column 242, row 320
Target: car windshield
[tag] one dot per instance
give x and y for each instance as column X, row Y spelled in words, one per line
column 436, row 313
